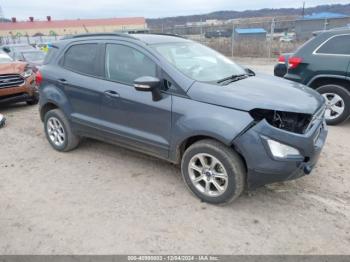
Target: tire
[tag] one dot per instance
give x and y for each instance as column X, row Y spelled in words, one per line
column 33, row 101
column 327, row 91
column 232, row 166
column 57, row 122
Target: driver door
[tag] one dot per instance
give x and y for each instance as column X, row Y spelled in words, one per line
column 131, row 117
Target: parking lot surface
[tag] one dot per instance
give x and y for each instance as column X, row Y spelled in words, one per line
column 103, row 199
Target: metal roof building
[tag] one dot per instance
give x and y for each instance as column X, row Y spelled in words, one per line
column 64, row 27
column 305, row 26
column 250, row 33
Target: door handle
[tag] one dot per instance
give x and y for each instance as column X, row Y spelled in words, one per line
column 112, row 94
column 62, row 81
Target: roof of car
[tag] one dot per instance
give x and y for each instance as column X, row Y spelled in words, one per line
column 159, row 38
column 335, row 31
column 145, row 38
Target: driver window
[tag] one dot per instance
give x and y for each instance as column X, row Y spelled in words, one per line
column 124, row 64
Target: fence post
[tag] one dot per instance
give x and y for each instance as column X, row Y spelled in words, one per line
column 232, row 38
column 272, row 32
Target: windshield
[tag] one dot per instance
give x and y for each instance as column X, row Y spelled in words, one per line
column 5, row 59
column 198, row 62
column 34, row 56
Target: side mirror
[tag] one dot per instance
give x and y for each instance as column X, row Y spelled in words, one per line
column 6, row 49
column 149, row 84
column 249, row 71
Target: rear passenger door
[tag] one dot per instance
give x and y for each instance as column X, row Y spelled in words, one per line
column 131, row 117
column 80, row 78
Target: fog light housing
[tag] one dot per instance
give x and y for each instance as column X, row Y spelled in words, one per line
column 280, row 150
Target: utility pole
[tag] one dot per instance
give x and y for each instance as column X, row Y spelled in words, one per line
column 303, row 12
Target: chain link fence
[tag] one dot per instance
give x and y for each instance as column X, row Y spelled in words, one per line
column 32, row 40
column 268, row 38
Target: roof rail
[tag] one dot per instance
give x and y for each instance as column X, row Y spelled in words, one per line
column 98, row 34
column 166, row 34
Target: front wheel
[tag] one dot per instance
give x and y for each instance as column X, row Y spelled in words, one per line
column 213, row 172
column 337, row 103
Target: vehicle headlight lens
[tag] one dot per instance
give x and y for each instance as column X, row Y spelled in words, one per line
column 27, row 73
column 281, row 150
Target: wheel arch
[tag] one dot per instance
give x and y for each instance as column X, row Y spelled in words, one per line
column 322, row 80
column 46, row 108
column 187, row 142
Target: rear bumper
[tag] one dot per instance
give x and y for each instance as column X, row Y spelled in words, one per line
column 263, row 168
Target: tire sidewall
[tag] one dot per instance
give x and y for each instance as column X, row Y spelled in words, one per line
column 344, row 94
column 49, row 114
column 231, row 187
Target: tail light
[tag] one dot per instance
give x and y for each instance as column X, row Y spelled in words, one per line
column 294, row 62
column 38, row 78
column 281, row 59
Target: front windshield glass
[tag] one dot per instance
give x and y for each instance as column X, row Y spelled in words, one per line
column 34, row 56
column 198, row 62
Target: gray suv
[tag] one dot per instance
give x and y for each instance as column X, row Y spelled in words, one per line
column 227, row 127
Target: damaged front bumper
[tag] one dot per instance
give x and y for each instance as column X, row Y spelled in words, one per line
column 263, row 168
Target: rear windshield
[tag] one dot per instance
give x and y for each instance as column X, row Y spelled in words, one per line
column 53, row 50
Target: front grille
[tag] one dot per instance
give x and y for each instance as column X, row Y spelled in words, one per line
column 10, row 80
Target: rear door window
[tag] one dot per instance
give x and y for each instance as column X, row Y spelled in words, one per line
column 338, row 45
column 82, row 58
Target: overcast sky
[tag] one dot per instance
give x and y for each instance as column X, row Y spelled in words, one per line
column 66, row 9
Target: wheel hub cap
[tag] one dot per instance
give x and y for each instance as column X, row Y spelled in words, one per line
column 334, row 106
column 55, row 131
column 208, row 174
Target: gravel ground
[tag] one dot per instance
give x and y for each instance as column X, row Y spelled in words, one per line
column 103, row 199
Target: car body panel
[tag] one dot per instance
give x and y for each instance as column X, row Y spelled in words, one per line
column 188, row 109
column 24, row 91
column 260, row 91
column 220, row 123
column 314, row 64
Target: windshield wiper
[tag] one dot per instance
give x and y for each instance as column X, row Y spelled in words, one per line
column 233, row 78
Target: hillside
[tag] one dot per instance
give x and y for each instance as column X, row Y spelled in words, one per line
column 224, row 15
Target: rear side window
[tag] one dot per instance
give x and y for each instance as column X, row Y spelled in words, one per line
column 81, row 58
column 124, row 64
column 338, row 45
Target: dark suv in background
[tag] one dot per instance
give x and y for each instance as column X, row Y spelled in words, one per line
column 323, row 64
column 183, row 102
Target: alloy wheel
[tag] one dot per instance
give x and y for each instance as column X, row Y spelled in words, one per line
column 335, row 106
column 208, row 174
column 56, row 131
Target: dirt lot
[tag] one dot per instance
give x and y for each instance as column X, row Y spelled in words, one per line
column 102, row 199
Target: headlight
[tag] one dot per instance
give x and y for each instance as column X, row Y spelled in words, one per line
column 27, row 73
column 280, row 150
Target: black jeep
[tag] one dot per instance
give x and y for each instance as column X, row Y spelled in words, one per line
column 323, row 64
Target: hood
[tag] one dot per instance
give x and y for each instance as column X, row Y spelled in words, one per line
column 260, row 91
column 12, row 68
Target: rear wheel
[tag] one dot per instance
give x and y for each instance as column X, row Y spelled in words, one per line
column 337, row 103
column 213, row 172
column 58, row 131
